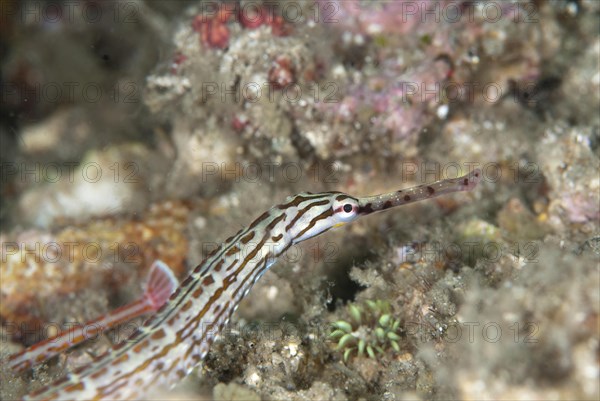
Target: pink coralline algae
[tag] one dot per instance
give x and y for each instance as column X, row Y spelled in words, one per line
column 396, row 17
column 399, row 92
column 571, row 169
column 397, row 107
column 401, row 17
column 213, row 24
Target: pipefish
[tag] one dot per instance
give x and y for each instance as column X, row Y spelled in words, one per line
column 172, row 342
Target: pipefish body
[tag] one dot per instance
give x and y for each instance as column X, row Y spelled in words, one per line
column 177, row 338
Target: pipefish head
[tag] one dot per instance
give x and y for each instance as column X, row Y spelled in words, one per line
column 312, row 214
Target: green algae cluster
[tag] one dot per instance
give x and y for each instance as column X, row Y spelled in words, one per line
column 370, row 330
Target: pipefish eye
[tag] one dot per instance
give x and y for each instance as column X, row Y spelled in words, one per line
column 345, row 209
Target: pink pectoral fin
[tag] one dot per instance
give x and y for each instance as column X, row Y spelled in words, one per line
column 160, row 285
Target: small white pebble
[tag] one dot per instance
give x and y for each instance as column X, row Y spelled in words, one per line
column 200, row 222
column 253, row 379
column 374, row 29
column 272, row 293
column 293, row 348
column 359, row 40
column 442, row 111
column 346, row 37
column 338, row 71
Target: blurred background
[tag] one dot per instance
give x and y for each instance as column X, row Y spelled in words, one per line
column 136, row 130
